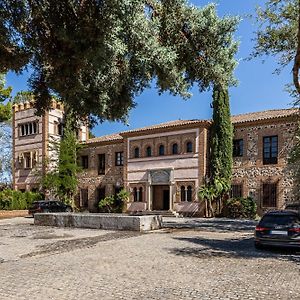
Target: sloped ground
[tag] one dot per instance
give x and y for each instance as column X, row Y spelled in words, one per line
column 188, row 259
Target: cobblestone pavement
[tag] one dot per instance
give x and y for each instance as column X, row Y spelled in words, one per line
column 189, row 259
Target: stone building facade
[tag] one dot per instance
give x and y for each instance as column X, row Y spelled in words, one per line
column 163, row 166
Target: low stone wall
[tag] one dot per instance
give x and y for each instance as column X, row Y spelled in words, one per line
column 99, row 221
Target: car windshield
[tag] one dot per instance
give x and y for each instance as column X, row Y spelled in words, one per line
column 273, row 220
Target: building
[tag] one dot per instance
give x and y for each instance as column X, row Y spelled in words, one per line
column 162, row 166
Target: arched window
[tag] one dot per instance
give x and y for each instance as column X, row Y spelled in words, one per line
column 148, row 151
column 136, row 152
column 161, row 150
column 189, row 194
column 140, row 194
column 135, row 195
column 189, row 147
column 175, row 148
column 182, row 194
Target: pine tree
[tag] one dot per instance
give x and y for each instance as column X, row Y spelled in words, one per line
column 97, row 56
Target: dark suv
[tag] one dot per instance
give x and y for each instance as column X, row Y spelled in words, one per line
column 279, row 228
column 49, row 206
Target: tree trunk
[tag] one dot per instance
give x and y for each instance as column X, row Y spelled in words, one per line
column 296, row 66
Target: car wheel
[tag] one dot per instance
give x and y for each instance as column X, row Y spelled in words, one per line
column 68, row 209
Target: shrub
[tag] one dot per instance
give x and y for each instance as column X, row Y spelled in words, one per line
column 114, row 203
column 15, row 200
column 240, row 208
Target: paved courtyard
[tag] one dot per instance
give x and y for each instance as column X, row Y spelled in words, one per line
column 189, row 259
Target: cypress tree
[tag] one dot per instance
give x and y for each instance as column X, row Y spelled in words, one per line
column 221, row 142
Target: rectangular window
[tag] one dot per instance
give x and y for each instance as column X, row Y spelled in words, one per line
column 100, row 193
column 27, row 162
column 270, row 150
column 238, row 146
column 85, row 162
column 269, row 195
column 28, row 128
column 101, row 164
column 236, row 191
column 119, row 159
column 84, row 197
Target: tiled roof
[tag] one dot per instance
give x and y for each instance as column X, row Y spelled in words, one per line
column 264, row 115
column 237, row 119
column 171, row 124
column 105, row 138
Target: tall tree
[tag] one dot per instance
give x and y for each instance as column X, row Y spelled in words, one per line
column 279, row 36
column 61, row 178
column 221, row 144
column 96, row 56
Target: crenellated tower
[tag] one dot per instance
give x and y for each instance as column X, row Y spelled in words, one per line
column 32, row 136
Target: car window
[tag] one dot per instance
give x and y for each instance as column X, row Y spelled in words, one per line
column 273, row 220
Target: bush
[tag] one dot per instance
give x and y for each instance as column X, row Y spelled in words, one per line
column 240, row 208
column 15, row 200
column 114, row 203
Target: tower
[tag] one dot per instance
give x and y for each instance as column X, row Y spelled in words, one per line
column 32, row 136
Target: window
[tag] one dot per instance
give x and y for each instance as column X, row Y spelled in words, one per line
column 182, row 194
column 60, row 129
column 100, row 193
column 85, row 162
column 136, row 152
column 269, row 195
column 161, row 150
column 236, row 191
column 135, row 194
column 27, row 161
column 28, row 128
column 84, row 198
column 270, row 150
column 101, row 164
column 189, row 194
column 189, row 147
column 138, row 194
column 175, row 149
column 238, row 147
column 119, row 160
column 148, row 151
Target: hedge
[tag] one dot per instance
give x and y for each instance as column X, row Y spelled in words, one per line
column 17, row 200
column 240, row 208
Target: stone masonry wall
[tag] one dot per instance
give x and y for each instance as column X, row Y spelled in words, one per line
column 249, row 169
column 89, row 178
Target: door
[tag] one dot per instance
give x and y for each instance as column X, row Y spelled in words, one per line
column 166, row 199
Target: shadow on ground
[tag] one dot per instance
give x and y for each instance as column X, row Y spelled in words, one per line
column 216, row 225
column 205, row 248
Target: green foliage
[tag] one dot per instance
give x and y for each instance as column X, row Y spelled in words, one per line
column 16, row 200
column 107, row 204
column 23, row 96
column 96, row 56
column 279, row 36
column 221, row 138
column 240, row 208
column 114, row 203
column 62, row 180
column 5, row 95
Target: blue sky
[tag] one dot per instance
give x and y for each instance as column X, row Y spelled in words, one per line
column 258, row 89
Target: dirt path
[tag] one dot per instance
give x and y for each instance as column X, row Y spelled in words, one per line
column 6, row 214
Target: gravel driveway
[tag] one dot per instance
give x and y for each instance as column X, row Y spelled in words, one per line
column 188, row 259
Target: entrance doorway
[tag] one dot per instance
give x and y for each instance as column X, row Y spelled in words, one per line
column 160, row 197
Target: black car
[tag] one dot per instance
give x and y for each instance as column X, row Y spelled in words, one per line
column 293, row 206
column 49, row 206
column 280, row 228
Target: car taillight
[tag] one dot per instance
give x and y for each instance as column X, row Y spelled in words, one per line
column 295, row 229
column 259, row 228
